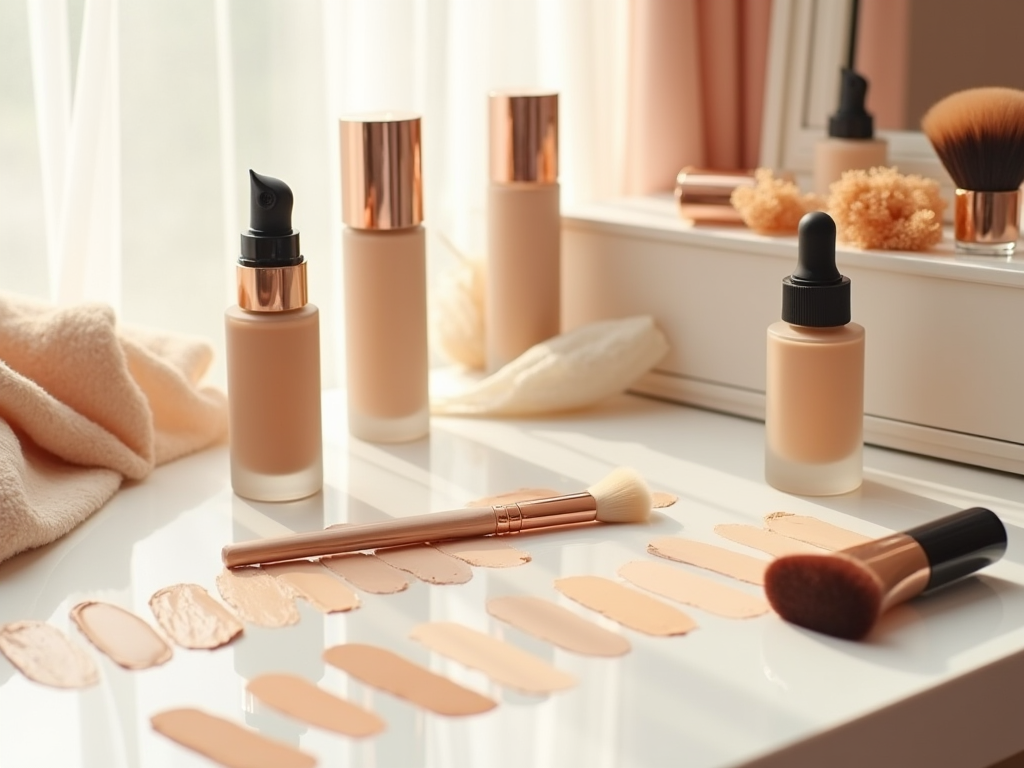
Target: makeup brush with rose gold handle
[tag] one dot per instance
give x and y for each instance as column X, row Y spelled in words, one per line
column 621, row 497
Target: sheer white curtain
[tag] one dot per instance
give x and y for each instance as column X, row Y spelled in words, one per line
column 126, row 130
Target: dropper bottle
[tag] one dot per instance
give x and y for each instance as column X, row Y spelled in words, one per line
column 273, row 357
column 851, row 142
column 814, row 389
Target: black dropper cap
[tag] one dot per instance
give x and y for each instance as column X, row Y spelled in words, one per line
column 852, row 120
column 270, row 241
column 816, row 295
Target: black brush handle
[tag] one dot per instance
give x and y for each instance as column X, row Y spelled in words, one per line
column 960, row 544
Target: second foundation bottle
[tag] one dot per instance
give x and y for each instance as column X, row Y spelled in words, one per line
column 523, row 225
column 384, row 248
column 814, row 391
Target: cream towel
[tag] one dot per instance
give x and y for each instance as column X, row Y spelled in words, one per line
column 85, row 403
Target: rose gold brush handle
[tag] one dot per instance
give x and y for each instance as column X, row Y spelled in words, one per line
column 457, row 524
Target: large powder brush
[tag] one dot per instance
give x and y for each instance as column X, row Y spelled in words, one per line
column 978, row 135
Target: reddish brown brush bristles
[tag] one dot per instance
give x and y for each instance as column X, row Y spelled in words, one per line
column 827, row 593
column 978, row 135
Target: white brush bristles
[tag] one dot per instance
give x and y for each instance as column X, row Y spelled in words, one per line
column 622, row 497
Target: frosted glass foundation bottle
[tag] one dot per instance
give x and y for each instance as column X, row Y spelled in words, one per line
column 273, row 358
column 851, row 143
column 384, row 248
column 523, row 225
column 814, row 390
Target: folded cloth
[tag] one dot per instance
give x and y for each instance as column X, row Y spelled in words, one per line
column 571, row 371
column 85, row 403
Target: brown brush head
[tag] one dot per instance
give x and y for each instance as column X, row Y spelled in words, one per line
column 978, row 135
column 827, row 593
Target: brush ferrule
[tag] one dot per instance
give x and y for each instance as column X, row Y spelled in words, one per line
column 898, row 562
column 986, row 222
column 544, row 513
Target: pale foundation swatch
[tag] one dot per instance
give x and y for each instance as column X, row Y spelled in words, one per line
column 427, row 564
column 226, row 742
column 397, row 675
column 813, row 531
column 772, row 543
column 258, row 597
column 299, row 698
column 123, row 636
column 314, row 584
column 626, row 606
column 711, row 558
column 43, row 653
column 690, row 589
column 367, row 572
column 511, row 497
column 661, row 499
column 555, row 624
column 504, row 663
column 486, row 552
column 192, row 618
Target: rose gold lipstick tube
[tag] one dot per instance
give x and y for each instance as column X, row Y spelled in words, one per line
column 704, row 195
column 523, row 225
column 986, row 223
column 384, row 248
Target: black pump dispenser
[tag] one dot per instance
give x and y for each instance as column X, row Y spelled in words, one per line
column 271, row 241
column 852, row 120
column 816, row 295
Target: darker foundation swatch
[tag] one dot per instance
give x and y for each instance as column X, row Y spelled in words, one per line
column 367, row 572
column 314, row 584
column 299, row 698
column 811, row 530
column 551, row 622
column 711, row 558
column 43, row 653
column 122, row 635
column 427, row 564
column 193, row 619
column 485, row 552
column 627, row 606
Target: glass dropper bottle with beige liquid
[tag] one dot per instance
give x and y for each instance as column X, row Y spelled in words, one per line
column 814, row 389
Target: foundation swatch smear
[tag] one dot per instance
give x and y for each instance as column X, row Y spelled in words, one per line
column 813, row 531
column 711, row 558
column 380, row 668
column 299, row 698
column 367, row 572
column 258, row 597
column 486, row 552
column 193, row 619
column 774, row 544
column 505, row 664
column 314, row 584
column 551, row 622
column 511, row 497
column 627, row 606
column 227, row 743
column 43, row 653
column 427, row 564
column 123, row 636
column 660, row 499
column 690, row 589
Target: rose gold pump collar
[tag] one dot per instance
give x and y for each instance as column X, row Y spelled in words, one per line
column 381, row 176
column 524, row 136
column 271, row 289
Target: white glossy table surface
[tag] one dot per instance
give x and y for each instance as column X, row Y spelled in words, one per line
column 938, row 679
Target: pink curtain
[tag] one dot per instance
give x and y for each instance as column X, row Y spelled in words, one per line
column 696, row 87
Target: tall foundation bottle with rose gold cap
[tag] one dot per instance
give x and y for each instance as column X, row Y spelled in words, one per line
column 384, row 248
column 523, row 225
column 273, row 358
column 814, row 391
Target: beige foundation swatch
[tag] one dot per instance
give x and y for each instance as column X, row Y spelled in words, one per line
column 192, row 618
column 258, row 597
column 522, row 494
column 690, row 589
column 711, row 558
column 123, row 636
column 487, row 552
column 297, row 697
column 504, row 663
column 427, row 564
column 660, row 499
column 555, row 624
column 397, row 675
column 314, row 584
column 774, row 544
column 813, row 531
column 367, row 572
column 227, row 743
column 627, row 606
column 43, row 653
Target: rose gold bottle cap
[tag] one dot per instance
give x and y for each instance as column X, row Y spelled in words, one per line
column 381, row 177
column 524, row 136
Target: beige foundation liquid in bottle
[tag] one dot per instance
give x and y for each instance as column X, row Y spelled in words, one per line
column 523, row 226
column 384, row 248
column 273, row 358
column 814, row 391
